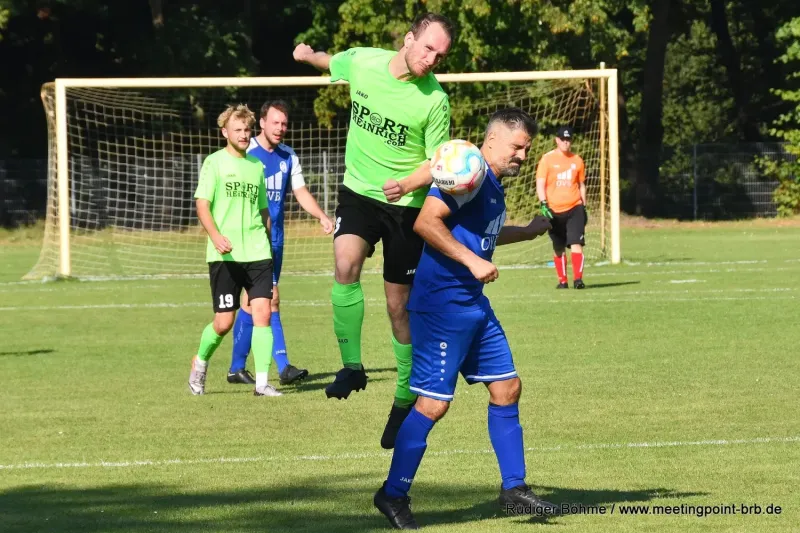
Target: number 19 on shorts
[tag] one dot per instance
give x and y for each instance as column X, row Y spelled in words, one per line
column 225, row 301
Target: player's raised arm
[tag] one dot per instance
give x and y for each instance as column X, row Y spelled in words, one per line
column 305, row 54
column 431, row 227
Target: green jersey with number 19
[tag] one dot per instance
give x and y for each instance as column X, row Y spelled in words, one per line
column 237, row 192
column 394, row 125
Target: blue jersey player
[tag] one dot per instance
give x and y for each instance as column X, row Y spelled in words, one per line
column 453, row 327
column 281, row 171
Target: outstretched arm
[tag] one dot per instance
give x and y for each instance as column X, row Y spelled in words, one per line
column 431, row 227
column 511, row 234
column 310, row 205
column 305, row 54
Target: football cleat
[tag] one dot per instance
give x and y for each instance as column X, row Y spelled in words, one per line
column 397, row 510
column 522, row 500
column 291, row 373
column 578, row 284
column 197, row 378
column 347, row 380
column 396, row 417
column 564, row 285
column 241, row 377
column 267, row 390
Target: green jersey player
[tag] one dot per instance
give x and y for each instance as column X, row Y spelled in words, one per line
column 399, row 116
column 232, row 207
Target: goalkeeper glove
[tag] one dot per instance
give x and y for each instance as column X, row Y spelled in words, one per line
column 585, row 214
column 546, row 210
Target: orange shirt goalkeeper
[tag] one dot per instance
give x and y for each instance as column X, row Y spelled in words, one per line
column 561, row 187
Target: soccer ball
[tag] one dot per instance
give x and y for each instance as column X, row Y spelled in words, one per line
column 458, row 167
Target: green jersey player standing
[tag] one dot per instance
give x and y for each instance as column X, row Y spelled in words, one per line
column 231, row 200
column 399, row 116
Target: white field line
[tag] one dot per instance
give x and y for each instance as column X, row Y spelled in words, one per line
column 371, row 455
column 203, row 277
column 714, row 295
column 25, row 286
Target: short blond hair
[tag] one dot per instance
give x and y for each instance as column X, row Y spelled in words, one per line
column 240, row 111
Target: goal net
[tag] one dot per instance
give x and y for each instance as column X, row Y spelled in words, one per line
column 125, row 154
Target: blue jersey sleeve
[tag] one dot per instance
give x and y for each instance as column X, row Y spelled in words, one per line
column 454, row 201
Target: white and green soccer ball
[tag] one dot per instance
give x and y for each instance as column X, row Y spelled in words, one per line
column 458, row 167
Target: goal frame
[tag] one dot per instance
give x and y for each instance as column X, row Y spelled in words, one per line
column 608, row 88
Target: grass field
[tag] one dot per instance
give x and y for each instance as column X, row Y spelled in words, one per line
column 672, row 380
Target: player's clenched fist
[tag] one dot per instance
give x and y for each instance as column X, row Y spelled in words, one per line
column 484, row 271
column 393, row 190
column 302, row 52
column 222, row 244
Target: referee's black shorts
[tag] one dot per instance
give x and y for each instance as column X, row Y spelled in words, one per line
column 568, row 227
column 376, row 221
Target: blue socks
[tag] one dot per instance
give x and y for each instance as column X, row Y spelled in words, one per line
column 408, row 451
column 279, row 343
column 242, row 339
column 505, row 432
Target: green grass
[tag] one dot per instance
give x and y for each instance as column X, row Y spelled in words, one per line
column 671, row 380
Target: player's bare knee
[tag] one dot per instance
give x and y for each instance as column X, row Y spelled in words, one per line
column 559, row 251
column 347, row 270
column 261, row 311
column 430, row 408
column 398, row 314
column 576, row 249
column 223, row 322
column 505, row 392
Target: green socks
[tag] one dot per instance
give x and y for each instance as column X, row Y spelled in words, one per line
column 262, row 353
column 348, row 317
column 403, row 397
column 209, row 341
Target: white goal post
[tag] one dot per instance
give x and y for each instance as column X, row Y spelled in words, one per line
column 110, row 139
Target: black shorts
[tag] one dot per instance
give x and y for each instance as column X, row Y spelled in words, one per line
column 228, row 278
column 568, row 227
column 376, row 221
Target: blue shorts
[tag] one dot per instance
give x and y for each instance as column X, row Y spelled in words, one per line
column 277, row 263
column 444, row 344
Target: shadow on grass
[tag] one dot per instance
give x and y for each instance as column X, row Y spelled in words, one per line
column 607, row 285
column 40, row 351
column 312, row 504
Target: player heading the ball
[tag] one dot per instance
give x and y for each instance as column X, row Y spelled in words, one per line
column 453, row 327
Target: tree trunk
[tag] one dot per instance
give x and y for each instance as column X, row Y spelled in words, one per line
column 730, row 58
column 651, row 130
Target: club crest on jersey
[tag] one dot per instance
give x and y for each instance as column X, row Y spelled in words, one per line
column 283, row 166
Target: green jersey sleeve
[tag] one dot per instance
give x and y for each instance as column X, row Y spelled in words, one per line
column 341, row 64
column 207, row 184
column 438, row 129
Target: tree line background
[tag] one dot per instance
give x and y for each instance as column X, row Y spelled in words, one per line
column 691, row 71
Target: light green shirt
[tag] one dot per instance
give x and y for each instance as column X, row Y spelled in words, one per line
column 394, row 125
column 235, row 187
